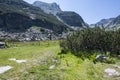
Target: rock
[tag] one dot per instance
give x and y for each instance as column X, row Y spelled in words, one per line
column 2, row 45
column 52, row 66
column 4, row 68
column 18, row 61
column 101, row 57
column 111, row 72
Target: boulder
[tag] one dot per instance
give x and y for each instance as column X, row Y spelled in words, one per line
column 101, row 57
column 111, row 72
column 2, row 44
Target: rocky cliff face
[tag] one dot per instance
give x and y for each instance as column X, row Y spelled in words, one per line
column 69, row 18
column 50, row 8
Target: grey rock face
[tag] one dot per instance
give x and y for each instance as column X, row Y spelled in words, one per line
column 50, row 8
column 71, row 18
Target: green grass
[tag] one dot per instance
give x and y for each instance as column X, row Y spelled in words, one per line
column 67, row 66
column 70, row 68
column 33, row 52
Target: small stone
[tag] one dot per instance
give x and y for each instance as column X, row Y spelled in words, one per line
column 18, row 61
column 4, row 68
column 111, row 72
column 52, row 66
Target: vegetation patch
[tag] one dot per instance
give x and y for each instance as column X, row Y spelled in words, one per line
column 89, row 42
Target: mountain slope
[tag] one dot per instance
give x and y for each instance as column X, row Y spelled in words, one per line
column 17, row 16
column 69, row 18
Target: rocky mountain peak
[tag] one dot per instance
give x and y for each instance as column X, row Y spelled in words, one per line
column 50, row 8
column 69, row 18
column 103, row 22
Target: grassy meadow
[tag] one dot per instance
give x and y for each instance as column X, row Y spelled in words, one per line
column 41, row 55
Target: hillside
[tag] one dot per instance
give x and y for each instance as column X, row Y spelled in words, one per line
column 17, row 16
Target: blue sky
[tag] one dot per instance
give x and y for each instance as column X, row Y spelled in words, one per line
column 91, row 11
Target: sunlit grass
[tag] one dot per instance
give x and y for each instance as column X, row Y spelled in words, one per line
column 33, row 52
column 68, row 67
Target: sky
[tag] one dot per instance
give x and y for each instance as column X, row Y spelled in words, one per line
column 91, row 11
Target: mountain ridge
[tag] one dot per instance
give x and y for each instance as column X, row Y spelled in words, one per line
column 110, row 23
column 70, row 18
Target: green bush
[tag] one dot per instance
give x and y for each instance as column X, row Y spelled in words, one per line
column 92, row 39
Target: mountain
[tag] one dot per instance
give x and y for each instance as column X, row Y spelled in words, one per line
column 111, row 23
column 18, row 16
column 103, row 22
column 50, row 8
column 115, row 24
column 69, row 18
